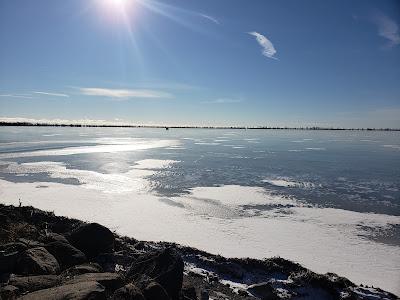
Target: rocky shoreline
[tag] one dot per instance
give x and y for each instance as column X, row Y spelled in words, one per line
column 43, row 256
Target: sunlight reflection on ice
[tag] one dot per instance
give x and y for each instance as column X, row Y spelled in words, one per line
column 107, row 146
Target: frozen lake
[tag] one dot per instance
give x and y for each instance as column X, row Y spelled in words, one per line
column 329, row 200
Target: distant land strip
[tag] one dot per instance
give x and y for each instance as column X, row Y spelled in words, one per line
column 2, row 123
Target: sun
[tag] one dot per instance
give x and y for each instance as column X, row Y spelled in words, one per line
column 115, row 9
column 119, row 2
column 117, row 5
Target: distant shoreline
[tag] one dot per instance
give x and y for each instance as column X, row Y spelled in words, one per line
column 195, row 127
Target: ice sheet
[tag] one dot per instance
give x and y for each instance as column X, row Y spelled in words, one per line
column 323, row 239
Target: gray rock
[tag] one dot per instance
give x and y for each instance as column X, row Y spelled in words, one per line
column 82, row 269
column 34, row 283
column 30, row 243
column 78, row 291
column 111, row 281
column 66, row 254
column 53, row 237
column 37, row 261
column 128, row 292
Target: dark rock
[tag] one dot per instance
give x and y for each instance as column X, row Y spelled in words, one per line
column 8, row 292
column 231, row 269
column 263, row 290
column 34, row 283
column 4, row 219
column 82, row 269
column 92, row 239
column 78, row 291
column 128, row 292
column 30, row 243
column 111, row 262
column 53, row 237
column 9, row 254
column 20, row 229
column 13, row 247
column 8, row 261
column 163, row 266
column 37, row 261
column 204, row 295
column 155, row 291
column 140, row 245
column 66, row 254
column 111, row 281
column 189, row 293
column 330, row 282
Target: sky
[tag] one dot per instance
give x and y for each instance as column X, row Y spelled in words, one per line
column 248, row 63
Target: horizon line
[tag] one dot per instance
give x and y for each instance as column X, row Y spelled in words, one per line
column 45, row 124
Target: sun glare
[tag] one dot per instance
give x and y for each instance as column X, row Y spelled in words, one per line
column 118, row 2
column 117, row 6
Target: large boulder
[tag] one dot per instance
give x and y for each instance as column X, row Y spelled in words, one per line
column 128, row 292
column 163, row 266
column 111, row 281
column 37, row 261
column 92, row 239
column 78, row 291
column 155, row 291
column 66, row 254
column 34, row 283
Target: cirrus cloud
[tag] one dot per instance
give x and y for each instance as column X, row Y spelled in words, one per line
column 387, row 28
column 210, row 18
column 124, row 94
column 51, row 94
column 222, row 101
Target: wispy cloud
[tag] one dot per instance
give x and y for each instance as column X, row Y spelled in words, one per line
column 24, row 96
column 210, row 18
column 387, row 28
column 51, row 94
column 222, row 101
column 166, row 85
column 268, row 48
column 124, row 94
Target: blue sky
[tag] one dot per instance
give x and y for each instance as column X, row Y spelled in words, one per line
column 311, row 62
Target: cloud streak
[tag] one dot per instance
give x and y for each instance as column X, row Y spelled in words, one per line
column 124, row 94
column 210, row 18
column 51, row 94
column 268, row 48
column 388, row 29
column 222, row 101
column 24, row 96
